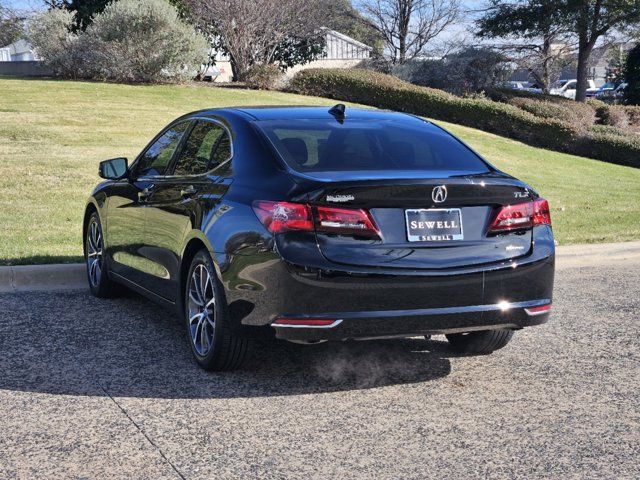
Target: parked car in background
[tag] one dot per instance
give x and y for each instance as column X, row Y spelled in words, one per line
column 534, row 88
column 615, row 95
column 513, row 85
column 607, row 87
column 318, row 224
column 567, row 88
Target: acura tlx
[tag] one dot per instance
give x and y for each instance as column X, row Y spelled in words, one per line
column 316, row 224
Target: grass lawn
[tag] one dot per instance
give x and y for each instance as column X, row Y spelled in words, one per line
column 54, row 133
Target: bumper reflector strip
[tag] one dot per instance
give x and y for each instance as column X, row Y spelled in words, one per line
column 539, row 310
column 306, row 322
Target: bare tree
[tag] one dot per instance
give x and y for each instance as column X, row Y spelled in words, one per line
column 10, row 25
column 408, row 26
column 254, row 31
column 544, row 61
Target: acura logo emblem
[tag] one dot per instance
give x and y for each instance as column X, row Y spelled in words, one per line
column 439, row 194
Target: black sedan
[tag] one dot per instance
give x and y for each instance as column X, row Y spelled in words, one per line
column 319, row 224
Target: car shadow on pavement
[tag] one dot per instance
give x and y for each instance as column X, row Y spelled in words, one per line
column 73, row 344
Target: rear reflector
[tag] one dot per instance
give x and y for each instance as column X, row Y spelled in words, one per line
column 345, row 221
column 538, row 310
column 279, row 217
column 521, row 215
column 306, row 322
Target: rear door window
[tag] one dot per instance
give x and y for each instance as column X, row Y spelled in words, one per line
column 208, row 145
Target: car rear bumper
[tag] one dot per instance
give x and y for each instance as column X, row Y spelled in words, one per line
column 373, row 303
column 400, row 323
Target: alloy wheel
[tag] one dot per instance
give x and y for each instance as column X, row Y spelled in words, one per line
column 94, row 253
column 201, row 309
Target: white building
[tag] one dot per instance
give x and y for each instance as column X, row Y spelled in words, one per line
column 18, row 51
column 341, row 51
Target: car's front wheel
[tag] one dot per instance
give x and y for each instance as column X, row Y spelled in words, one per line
column 99, row 282
column 479, row 343
column 214, row 345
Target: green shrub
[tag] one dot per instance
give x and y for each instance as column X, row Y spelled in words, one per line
column 384, row 91
column 610, row 147
column 607, row 129
column 580, row 115
column 625, row 117
column 613, row 115
column 130, row 41
column 263, row 77
column 503, row 94
column 633, row 114
column 50, row 35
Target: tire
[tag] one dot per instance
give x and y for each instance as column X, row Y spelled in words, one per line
column 214, row 345
column 479, row 343
column 100, row 284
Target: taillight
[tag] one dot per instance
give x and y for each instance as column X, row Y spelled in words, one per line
column 522, row 215
column 280, row 217
column 345, row 221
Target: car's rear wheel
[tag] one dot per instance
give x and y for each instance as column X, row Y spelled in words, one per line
column 212, row 341
column 479, row 343
column 100, row 284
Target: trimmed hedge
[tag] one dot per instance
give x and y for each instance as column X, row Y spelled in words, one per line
column 580, row 115
column 384, row 91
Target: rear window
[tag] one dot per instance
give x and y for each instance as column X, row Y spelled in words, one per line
column 357, row 145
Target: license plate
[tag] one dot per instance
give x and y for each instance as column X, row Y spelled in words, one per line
column 434, row 225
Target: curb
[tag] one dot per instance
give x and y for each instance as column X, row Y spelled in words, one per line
column 30, row 278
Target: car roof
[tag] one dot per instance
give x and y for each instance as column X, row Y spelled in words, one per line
column 301, row 112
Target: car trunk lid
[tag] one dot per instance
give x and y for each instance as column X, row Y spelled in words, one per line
column 471, row 201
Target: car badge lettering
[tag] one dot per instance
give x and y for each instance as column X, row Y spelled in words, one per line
column 340, row 198
column 439, row 194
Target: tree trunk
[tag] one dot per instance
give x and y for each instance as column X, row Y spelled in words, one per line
column 584, row 53
column 546, row 74
column 404, row 17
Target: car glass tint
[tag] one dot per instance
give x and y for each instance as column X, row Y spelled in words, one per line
column 196, row 156
column 222, row 152
column 157, row 157
column 325, row 145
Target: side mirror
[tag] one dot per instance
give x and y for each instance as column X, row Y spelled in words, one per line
column 113, row 169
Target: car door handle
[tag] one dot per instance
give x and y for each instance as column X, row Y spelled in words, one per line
column 189, row 191
column 145, row 194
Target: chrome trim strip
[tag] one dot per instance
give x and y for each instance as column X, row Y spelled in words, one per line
column 331, row 325
column 429, row 311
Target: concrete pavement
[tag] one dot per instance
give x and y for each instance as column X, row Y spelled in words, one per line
column 107, row 389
